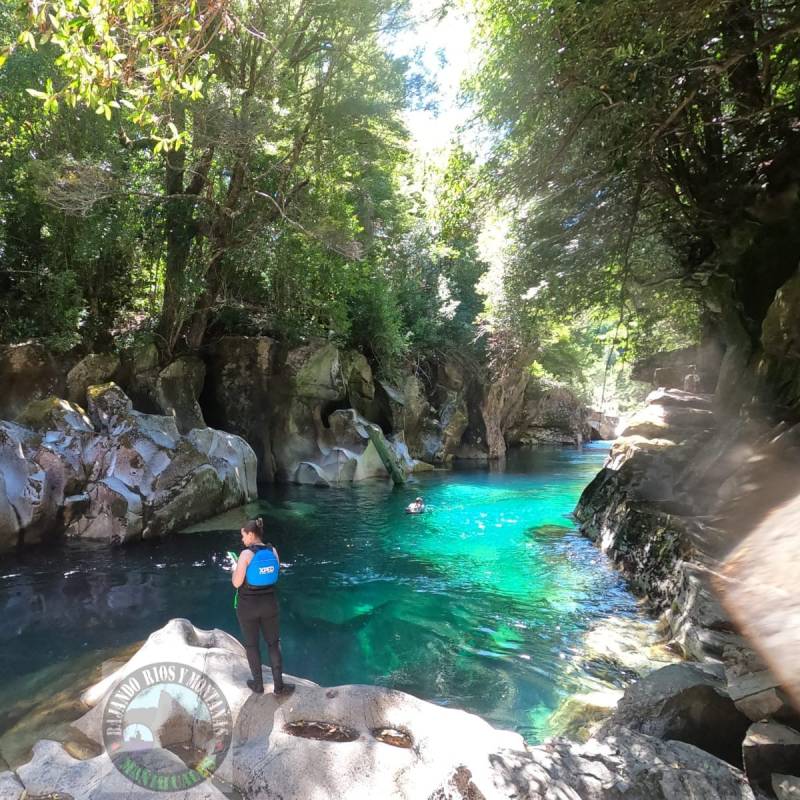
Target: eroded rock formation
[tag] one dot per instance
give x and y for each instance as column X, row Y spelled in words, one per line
column 680, row 505
column 113, row 474
column 368, row 742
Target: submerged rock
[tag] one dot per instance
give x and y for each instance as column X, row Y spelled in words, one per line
column 367, row 742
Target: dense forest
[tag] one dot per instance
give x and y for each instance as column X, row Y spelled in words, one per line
column 178, row 171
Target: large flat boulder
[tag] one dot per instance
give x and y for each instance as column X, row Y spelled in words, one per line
column 673, row 422
column 363, row 742
column 680, row 398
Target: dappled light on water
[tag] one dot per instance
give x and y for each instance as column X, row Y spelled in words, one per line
column 481, row 603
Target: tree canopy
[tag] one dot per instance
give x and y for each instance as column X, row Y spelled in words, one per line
column 243, row 165
column 648, row 149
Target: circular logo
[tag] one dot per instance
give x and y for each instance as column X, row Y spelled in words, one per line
column 167, row 727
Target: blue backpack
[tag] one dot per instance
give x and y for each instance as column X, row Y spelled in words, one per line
column 263, row 569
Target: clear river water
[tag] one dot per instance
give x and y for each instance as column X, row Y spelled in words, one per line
column 482, row 603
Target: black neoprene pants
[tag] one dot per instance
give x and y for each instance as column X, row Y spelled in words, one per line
column 260, row 613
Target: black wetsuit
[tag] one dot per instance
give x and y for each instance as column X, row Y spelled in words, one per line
column 258, row 610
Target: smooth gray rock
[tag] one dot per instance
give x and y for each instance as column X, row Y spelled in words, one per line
column 234, row 461
column 673, row 422
column 116, row 475
column 36, row 472
column 688, row 703
column 677, row 397
column 621, row 765
column 10, row 787
column 758, row 695
column 345, row 453
column 392, row 746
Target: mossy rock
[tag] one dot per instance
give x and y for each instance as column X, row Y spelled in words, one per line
column 54, row 413
column 579, row 715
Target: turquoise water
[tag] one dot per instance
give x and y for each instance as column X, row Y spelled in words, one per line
column 479, row 604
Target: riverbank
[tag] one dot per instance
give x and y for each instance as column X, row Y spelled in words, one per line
column 135, row 444
column 366, row 742
column 675, row 505
column 492, row 602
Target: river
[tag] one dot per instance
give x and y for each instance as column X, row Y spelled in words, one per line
column 481, row 603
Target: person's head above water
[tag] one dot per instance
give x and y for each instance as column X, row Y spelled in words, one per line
column 252, row 531
column 418, row 500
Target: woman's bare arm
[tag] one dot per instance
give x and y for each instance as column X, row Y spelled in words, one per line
column 237, row 579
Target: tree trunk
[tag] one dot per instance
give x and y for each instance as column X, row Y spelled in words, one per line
column 180, row 233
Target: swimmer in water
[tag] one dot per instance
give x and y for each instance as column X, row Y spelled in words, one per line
column 417, row 507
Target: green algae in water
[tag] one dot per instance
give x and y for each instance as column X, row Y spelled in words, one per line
column 482, row 603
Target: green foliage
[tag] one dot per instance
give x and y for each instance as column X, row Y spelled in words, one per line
column 641, row 148
column 245, row 165
column 376, row 327
column 132, row 58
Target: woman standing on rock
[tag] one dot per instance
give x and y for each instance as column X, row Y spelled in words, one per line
column 255, row 576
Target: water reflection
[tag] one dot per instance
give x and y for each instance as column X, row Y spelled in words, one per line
column 479, row 603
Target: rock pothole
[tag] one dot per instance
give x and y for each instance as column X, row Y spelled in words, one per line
column 325, row 731
column 393, row 736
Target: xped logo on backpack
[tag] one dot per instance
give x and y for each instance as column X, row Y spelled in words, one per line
column 263, row 569
column 167, row 727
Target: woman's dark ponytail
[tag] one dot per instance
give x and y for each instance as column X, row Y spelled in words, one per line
column 255, row 526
